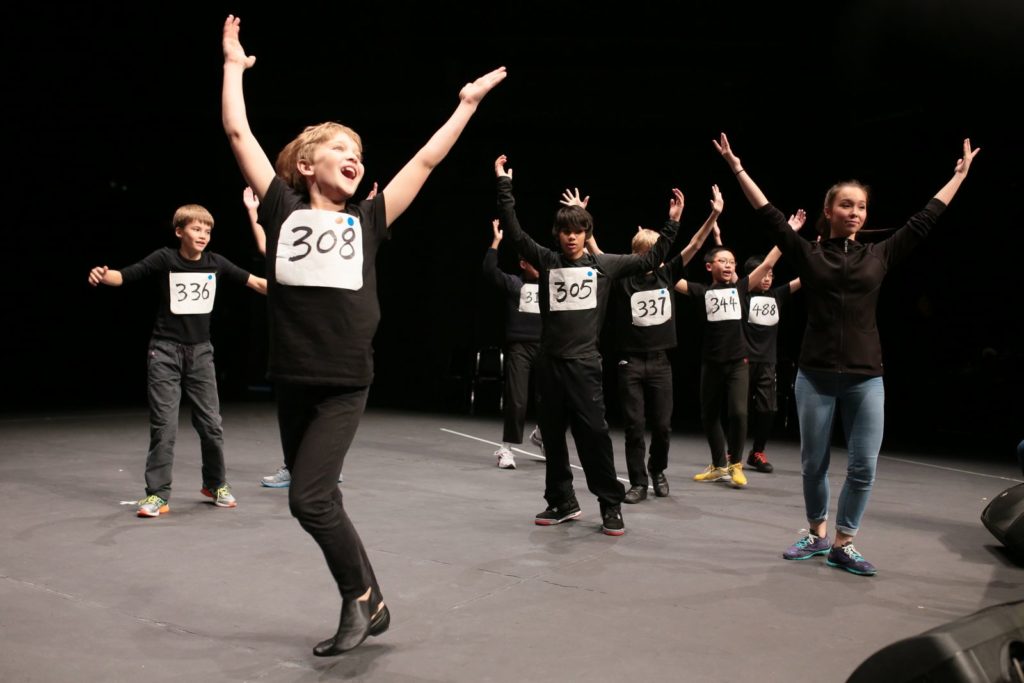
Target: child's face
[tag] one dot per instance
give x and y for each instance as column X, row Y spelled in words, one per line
column 722, row 267
column 766, row 282
column 194, row 237
column 338, row 167
column 848, row 212
column 572, row 243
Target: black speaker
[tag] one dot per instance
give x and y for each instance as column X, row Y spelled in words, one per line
column 1004, row 517
column 984, row 647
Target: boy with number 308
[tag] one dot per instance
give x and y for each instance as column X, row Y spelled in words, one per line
column 323, row 310
column 181, row 355
column 573, row 293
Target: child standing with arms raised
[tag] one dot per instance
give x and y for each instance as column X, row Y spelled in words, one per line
column 323, row 311
column 574, row 288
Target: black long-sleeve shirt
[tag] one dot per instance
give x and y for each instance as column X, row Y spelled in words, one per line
column 522, row 312
column 574, row 294
column 841, row 280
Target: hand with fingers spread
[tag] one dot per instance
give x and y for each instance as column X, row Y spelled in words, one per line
column 573, row 198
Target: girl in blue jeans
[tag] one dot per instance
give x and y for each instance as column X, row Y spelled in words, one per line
column 841, row 356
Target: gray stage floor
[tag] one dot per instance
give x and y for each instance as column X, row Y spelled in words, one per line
column 695, row 591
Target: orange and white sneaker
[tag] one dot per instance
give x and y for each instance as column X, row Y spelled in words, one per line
column 222, row 497
column 152, row 506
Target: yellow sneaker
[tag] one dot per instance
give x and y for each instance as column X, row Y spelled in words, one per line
column 711, row 473
column 739, row 480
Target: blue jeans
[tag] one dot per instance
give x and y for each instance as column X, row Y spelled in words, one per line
column 173, row 367
column 861, row 403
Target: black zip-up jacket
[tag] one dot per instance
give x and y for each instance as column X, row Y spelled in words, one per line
column 840, row 280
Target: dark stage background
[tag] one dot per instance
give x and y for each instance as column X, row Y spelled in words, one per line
column 114, row 121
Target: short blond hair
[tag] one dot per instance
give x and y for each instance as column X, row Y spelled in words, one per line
column 643, row 240
column 189, row 213
column 303, row 147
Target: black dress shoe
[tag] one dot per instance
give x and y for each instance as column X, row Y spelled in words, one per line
column 635, row 494
column 380, row 622
column 660, row 484
column 353, row 627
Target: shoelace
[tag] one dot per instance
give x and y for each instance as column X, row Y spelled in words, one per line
column 807, row 540
column 852, row 552
column 155, row 500
column 222, row 492
column 758, row 458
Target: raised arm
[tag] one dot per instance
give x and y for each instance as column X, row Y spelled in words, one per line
column 796, row 221
column 697, row 241
column 963, row 164
column 403, row 188
column 527, row 248
column 252, row 204
column 252, row 160
column 750, row 189
column 102, row 275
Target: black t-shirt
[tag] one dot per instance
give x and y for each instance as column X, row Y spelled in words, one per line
column 574, row 294
column 764, row 310
column 187, row 291
column 522, row 309
column 643, row 309
column 723, row 311
column 321, row 287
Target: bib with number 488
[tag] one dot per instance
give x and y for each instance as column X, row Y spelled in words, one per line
column 764, row 310
column 192, row 293
column 319, row 248
column 572, row 289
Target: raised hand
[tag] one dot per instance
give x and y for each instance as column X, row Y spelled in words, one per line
column 498, row 232
column 250, row 199
column 573, row 198
column 717, row 202
column 373, row 191
column 797, row 220
column 233, row 51
column 499, row 167
column 723, row 147
column 675, row 205
column 963, row 164
column 472, row 93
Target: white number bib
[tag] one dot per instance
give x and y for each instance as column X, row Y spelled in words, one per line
column 319, row 248
column 192, row 293
column 651, row 308
column 722, row 304
column 528, row 299
column 764, row 310
column 572, row 289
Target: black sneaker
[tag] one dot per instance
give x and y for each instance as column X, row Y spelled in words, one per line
column 635, row 494
column 759, row 461
column 556, row 514
column 612, row 524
